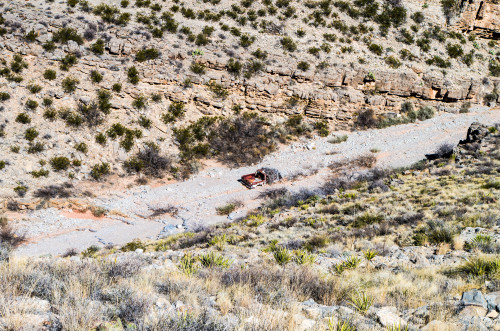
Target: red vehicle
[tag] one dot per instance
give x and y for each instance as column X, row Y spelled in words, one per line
column 260, row 177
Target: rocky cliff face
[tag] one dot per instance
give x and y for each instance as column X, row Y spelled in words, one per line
column 481, row 17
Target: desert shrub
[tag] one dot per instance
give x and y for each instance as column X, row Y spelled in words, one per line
column 393, row 62
column 425, row 113
column 63, row 35
column 98, row 47
column 100, row 170
column 101, row 139
column 288, row 44
column 54, row 191
column 69, row 84
column 218, row 90
column 40, row 173
column 175, row 111
column 424, row 44
column 376, row 49
column 243, row 139
column 133, row 75
column 37, row 147
column 494, row 67
column 90, row 113
column 435, row 232
column 455, row 50
column 253, row 67
column 95, row 76
column 366, row 119
column 148, row 161
column 71, row 118
column 197, row 68
column 144, row 122
column 82, row 147
column 49, row 74
column 68, row 61
column 8, row 235
column 303, row 66
column 2, row 164
column 147, row 54
column 47, row 102
column 418, row 17
column 465, row 108
column 117, row 87
column 23, row 118
column 338, row 139
column 34, row 88
column 226, row 209
column 59, row 163
column 31, row 104
column 438, row 61
column 4, row 96
column 366, row 219
column 30, row 134
column 348, row 263
column 140, row 102
column 234, row 67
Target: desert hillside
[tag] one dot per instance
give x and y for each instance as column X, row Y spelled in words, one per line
column 127, row 128
column 92, row 89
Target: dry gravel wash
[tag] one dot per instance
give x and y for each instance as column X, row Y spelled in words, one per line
column 198, row 197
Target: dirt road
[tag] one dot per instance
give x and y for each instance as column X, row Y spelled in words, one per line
column 197, row 198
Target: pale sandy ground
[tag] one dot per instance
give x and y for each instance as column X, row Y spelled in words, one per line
column 198, row 197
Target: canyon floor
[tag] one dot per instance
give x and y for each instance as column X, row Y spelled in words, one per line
column 53, row 231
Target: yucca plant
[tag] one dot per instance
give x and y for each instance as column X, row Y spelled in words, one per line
column 304, row 257
column 341, row 325
column 282, row 256
column 479, row 267
column 219, row 241
column 212, row 260
column 397, row 327
column 361, row 302
column 188, row 265
column 370, row 254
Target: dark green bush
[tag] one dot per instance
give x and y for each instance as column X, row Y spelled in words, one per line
column 140, row 102
column 288, row 44
column 377, row 49
column 133, row 75
column 175, row 112
column 95, row 76
column 98, row 47
column 69, row 84
column 31, row 104
column 234, row 67
column 117, row 87
column 82, row 147
column 23, row 118
column 100, row 170
column 147, row 54
column 455, row 50
column 68, row 61
column 393, row 62
column 101, row 139
column 425, row 113
column 49, row 74
column 59, row 163
column 30, row 134
column 197, row 68
column 63, row 35
column 4, row 96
